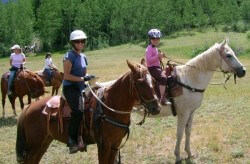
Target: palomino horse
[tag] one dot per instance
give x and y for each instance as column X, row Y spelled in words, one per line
column 34, row 137
column 56, row 80
column 196, row 74
column 25, row 83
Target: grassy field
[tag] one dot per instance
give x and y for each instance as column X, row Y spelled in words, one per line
column 221, row 126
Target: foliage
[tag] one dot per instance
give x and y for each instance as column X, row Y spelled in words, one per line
column 112, row 22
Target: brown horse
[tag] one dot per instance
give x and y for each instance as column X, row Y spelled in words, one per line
column 25, row 83
column 110, row 126
column 56, row 80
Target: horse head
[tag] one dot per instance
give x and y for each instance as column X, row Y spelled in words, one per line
column 32, row 83
column 143, row 87
column 230, row 63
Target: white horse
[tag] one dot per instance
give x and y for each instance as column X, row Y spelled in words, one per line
column 197, row 74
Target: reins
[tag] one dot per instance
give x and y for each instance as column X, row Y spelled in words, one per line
column 100, row 101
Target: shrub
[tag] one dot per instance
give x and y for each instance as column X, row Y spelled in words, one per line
column 248, row 35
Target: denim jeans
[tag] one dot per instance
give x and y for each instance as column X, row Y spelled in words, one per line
column 11, row 78
column 48, row 73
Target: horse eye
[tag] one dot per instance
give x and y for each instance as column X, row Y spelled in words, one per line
column 229, row 55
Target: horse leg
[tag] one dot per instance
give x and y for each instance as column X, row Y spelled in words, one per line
column 188, row 134
column 12, row 101
column 21, row 102
column 182, row 120
column 103, row 152
column 57, row 90
column 3, row 103
column 53, row 90
column 113, row 153
column 43, row 149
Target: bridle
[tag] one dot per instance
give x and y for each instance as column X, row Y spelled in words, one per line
column 222, row 54
column 133, row 88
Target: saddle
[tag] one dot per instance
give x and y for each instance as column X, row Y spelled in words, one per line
column 173, row 89
column 6, row 75
column 58, row 108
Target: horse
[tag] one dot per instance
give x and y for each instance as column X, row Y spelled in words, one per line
column 25, row 83
column 196, row 75
column 34, row 137
column 56, row 80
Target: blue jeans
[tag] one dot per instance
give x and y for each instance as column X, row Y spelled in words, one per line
column 11, row 78
column 48, row 73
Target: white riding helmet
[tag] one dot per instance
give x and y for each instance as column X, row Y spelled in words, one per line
column 15, row 47
column 77, row 34
column 154, row 33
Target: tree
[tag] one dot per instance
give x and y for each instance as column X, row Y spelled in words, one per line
column 49, row 22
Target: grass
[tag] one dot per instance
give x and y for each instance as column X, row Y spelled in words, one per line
column 220, row 132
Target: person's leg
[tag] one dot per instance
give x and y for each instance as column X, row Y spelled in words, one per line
column 11, row 78
column 74, row 97
column 159, row 76
column 47, row 74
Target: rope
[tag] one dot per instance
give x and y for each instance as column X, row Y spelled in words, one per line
column 97, row 98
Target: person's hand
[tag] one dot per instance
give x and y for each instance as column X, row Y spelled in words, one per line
column 161, row 55
column 89, row 77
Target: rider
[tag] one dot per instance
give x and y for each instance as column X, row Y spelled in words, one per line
column 153, row 58
column 17, row 59
column 49, row 66
column 75, row 68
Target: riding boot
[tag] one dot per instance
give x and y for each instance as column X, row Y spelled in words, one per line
column 74, row 126
column 163, row 100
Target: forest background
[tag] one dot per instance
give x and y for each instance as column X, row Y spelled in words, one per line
column 111, row 22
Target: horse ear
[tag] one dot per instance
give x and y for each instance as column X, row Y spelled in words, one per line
column 131, row 66
column 222, row 45
column 143, row 62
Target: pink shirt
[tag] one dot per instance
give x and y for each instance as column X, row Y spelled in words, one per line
column 17, row 59
column 152, row 56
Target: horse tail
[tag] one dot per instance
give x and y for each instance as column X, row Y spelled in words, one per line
column 21, row 146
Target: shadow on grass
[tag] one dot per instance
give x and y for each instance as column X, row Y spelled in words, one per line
column 9, row 121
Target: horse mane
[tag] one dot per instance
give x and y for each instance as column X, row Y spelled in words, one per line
column 206, row 60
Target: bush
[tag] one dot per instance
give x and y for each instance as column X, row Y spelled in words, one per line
column 240, row 26
column 248, row 35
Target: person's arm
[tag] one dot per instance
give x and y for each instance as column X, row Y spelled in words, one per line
column 151, row 57
column 67, row 65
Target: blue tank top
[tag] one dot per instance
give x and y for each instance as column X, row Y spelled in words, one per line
column 79, row 67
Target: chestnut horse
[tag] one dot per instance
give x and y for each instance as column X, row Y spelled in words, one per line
column 25, row 83
column 195, row 75
column 56, row 80
column 112, row 124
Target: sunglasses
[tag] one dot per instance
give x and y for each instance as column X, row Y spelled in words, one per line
column 79, row 41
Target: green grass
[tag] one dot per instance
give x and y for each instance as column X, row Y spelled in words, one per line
column 221, row 125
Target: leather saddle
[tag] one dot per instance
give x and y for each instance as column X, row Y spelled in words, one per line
column 58, row 108
column 173, row 89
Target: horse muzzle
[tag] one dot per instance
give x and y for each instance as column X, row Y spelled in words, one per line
column 153, row 107
column 240, row 71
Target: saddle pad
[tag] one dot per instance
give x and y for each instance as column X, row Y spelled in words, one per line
column 53, row 105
